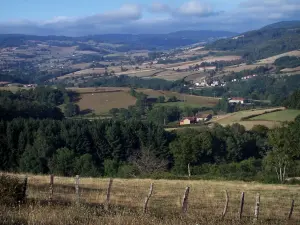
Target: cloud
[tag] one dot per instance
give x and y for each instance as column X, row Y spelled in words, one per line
column 157, row 7
column 195, row 8
column 193, row 15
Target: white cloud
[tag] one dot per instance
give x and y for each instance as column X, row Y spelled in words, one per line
column 193, row 14
column 195, row 8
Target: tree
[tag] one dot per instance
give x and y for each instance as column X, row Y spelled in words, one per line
column 281, row 156
column 147, row 163
column 62, row 162
column 84, row 166
column 71, row 109
column 173, row 99
column 161, row 99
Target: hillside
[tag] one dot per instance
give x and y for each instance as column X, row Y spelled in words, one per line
column 128, row 41
column 268, row 41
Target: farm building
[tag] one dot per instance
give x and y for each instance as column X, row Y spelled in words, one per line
column 236, row 100
column 203, row 117
column 188, row 121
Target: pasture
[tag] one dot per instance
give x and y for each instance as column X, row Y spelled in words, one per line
column 281, row 116
column 239, row 117
column 205, row 202
column 101, row 103
column 101, row 100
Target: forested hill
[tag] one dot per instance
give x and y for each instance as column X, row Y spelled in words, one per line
column 131, row 41
column 268, row 41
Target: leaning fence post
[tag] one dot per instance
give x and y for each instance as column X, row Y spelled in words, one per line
column 24, row 189
column 51, row 188
column 226, row 204
column 148, row 197
column 256, row 209
column 108, row 193
column 241, row 205
column 77, row 189
column 185, row 199
column 292, row 209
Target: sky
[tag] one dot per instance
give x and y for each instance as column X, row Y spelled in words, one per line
column 86, row 17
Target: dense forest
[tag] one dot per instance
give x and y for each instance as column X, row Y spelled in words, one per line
column 39, row 103
column 134, row 147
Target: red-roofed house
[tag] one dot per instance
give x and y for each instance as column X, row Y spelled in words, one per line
column 237, row 100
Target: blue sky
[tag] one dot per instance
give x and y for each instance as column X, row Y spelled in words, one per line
column 81, row 17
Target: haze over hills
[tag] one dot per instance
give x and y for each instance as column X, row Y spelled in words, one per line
column 139, row 41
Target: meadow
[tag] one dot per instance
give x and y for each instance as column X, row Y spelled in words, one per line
column 260, row 114
column 282, row 116
column 205, row 202
column 101, row 100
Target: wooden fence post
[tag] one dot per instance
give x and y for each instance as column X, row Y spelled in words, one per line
column 189, row 171
column 226, row 204
column 24, row 189
column 148, row 197
column 241, row 205
column 51, row 188
column 292, row 209
column 256, row 209
column 77, row 189
column 108, row 193
column 185, row 199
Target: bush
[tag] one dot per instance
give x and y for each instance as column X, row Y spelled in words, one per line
column 11, row 190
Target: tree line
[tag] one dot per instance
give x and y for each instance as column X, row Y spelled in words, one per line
column 132, row 148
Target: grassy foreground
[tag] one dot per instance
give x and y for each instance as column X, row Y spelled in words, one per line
column 206, row 202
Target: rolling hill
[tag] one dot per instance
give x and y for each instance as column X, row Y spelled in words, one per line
column 128, row 41
column 258, row 44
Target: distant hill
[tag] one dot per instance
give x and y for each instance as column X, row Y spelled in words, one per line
column 128, row 41
column 268, row 41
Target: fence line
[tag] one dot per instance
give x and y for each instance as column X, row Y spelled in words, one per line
column 185, row 199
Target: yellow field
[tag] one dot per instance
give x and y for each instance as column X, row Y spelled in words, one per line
column 205, row 203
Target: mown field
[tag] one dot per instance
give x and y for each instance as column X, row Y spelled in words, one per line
column 101, row 103
column 205, row 203
column 282, row 116
column 238, row 117
column 101, row 100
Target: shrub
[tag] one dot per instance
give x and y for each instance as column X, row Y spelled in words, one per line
column 12, row 191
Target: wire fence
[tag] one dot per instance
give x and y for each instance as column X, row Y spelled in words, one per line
column 219, row 199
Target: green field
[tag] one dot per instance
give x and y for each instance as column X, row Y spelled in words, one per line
column 285, row 115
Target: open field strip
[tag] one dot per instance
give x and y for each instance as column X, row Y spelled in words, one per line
column 205, row 203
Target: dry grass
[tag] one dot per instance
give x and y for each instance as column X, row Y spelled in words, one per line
column 206, row 202
column 186, row 65
column 241, row 67
column 286, row 70
column 101, row 103
column 272, row 59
